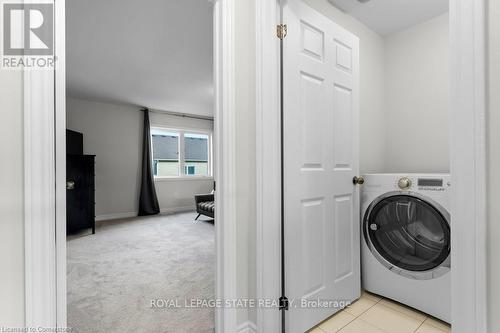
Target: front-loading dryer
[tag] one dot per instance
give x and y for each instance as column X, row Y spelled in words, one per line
column 405, row 246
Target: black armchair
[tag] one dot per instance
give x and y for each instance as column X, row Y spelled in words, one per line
column 205, row 205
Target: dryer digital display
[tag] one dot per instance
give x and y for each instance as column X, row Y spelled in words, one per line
column 430, row 182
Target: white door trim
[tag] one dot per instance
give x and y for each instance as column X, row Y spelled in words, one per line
column 39, row 199
column 468, row 163
column 225, row 161
column 60, row 158
column 268, row 165
column 45, row 179
column 41, row 192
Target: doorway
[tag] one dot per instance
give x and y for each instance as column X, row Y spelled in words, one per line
column 460, row 12
column 46, row 273
column 140, row 122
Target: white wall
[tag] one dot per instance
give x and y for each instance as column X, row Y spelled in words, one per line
column 416, row 98
column 113, row 133
column 494, row 166
column 372, row 103
column 11, row 200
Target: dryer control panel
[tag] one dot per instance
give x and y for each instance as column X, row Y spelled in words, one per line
column 407, row 183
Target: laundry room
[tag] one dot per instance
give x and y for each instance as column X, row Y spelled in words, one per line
column 391, row 100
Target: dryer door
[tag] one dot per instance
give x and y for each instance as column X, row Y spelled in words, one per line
column 408, row 233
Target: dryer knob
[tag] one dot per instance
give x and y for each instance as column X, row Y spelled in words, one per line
column 404, row 183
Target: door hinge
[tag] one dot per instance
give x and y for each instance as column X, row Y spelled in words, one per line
column 284, row 304
column 281, row 31
column 215, row 185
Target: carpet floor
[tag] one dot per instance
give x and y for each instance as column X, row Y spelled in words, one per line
column 114, row 275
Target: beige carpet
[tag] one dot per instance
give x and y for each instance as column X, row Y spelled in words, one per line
column 114, row 274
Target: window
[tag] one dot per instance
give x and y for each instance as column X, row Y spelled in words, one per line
column 165, row 153
column 179, row 153
column 196, row 154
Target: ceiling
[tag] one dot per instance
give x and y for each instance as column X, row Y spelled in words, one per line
column 155, row 53
column 388, row 16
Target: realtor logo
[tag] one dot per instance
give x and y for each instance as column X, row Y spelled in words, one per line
column 28, row 35
column 28, row 29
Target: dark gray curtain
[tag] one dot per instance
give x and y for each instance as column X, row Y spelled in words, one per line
column 148, row 201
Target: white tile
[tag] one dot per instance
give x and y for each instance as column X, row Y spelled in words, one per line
column 360, row 306
column 426, row 328
column 370, row 296
column 404, row 309
column 338, row 321
column 390, row 320
column 359, row 326
column 316, row 329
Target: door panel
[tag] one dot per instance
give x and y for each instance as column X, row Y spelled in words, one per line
column 310, row 90
column 344, row 230
column 343, row 127
column 312, row 41
column 321, row 158
column 313, row 223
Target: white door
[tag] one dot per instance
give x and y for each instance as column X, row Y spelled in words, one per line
column 321, row 93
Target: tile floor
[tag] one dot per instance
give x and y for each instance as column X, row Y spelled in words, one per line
column 374, row 314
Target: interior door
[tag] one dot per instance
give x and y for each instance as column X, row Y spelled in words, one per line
column 322, row 228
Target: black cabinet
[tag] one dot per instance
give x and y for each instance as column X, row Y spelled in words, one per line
column 80, row 192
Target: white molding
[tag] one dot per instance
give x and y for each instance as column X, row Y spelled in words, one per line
column 60, row 160
column 44, row 189
column 175, row 210
column 468, row 165
column 161, row 127
column 126, row 215
column 183, row 178
column 268, row 163
column 115, row 216
column 225, row 168
column 39, row 199
column 247, row 327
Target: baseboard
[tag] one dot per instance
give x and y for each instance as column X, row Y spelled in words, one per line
column 178, row 209
column 247, row 327
column 117, row 216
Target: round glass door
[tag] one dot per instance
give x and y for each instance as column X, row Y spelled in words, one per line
column 408, row 232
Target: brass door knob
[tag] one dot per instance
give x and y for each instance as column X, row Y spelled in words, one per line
column 358, row 180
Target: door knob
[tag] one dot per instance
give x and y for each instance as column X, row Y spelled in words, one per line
column 70, row 185
column 358, row 180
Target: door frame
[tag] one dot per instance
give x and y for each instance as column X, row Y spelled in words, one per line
column 468, row 69
column 45, row 178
